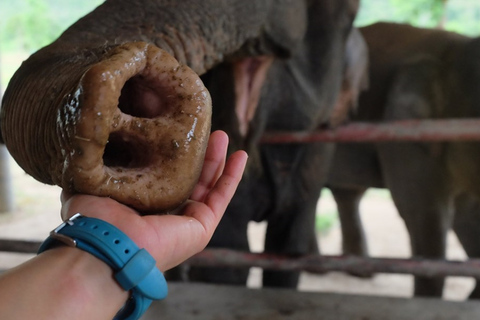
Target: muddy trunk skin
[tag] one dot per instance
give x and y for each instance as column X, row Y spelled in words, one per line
column 103, row 110
column 107, row 127
column 416, row 74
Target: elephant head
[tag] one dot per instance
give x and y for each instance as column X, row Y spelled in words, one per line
column 282, row 182
column 292, row 92
column 84, row 112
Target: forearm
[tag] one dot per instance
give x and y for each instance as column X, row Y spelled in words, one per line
column 62, row 283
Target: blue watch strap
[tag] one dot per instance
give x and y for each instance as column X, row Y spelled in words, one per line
column 135, row 269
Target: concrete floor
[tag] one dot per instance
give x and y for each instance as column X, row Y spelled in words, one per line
column 214, row 302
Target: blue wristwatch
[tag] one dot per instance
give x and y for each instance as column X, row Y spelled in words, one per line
column 135, row 269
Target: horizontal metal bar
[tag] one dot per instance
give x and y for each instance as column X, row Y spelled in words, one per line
column 405, row 130
column 19, row 246
column 321, row 264
column 311, row 263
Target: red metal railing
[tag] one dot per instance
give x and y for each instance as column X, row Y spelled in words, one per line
column 405, row 130
column 310, row 263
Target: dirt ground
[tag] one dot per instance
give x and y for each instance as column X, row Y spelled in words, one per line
column 37, row 212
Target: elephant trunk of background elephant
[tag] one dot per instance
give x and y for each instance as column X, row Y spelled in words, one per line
column 105, row 89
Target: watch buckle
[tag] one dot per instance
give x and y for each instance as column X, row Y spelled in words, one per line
column 63, row 238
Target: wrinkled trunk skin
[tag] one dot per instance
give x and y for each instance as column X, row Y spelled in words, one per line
column 107, row 112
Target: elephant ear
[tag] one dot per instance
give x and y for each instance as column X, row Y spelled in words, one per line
column 416, row 93
column 355, row 78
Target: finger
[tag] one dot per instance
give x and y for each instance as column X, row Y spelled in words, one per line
column 213, row 165
column 64, row 196
column 221, row 194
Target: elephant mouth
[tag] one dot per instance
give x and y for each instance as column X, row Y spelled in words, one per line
column 250, row 74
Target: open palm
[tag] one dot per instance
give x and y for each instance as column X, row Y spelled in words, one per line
column 173, row 238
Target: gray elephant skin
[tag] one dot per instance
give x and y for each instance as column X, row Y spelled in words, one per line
column 268, row 65
column 279, row 185
column 416, row 74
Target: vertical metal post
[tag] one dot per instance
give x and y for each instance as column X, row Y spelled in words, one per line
column 6, row 192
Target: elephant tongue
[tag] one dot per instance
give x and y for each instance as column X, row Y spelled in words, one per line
column 250, row 74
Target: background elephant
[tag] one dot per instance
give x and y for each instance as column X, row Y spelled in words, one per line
column 284, row 56
column 415, row 74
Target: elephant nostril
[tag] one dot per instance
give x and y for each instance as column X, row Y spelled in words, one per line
column 140, row 97
column 124, row 151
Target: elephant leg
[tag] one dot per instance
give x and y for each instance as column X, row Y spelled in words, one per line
column 416, row 173
column 421, row 192
column 237, row 240
column 428, row 240
column 298, row 174
column 353, row 237
column 291, row 234
column 466, row 225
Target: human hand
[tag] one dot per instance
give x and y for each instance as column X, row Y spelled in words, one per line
column 171, row 239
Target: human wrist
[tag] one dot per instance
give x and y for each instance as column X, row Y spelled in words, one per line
column 59, row 284
column 134, row 268
column 85, row 281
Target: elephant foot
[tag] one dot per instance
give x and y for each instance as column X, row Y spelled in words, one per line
column 475, row 294
column 358, row 251
column 428, row 287
column 281, row 279
column 230, row 276
column 362, row 274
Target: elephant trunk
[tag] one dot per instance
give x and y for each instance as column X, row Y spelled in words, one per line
column 133, row 126
column 104, row 111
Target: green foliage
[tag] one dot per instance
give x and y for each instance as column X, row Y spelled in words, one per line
column 462, row 16
column 27, row 25
column 30, row 28
column 427, row 13
column 327, row 215
column 324, row 221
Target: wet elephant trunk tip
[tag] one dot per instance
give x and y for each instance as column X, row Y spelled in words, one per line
column 134, row 128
